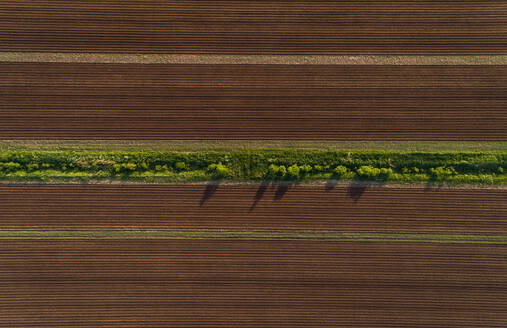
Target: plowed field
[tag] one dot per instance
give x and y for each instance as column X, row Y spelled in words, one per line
column 190, row 283
column 253, row 207
column 255, row 27
column 255, row 102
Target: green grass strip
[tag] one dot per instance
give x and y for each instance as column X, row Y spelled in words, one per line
column 259, row 235
column 479, row 168
column 232, row 145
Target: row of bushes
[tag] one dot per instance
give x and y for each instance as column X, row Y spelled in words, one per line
column 261, row 164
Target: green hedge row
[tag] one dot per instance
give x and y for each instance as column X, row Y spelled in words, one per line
column 487, row 168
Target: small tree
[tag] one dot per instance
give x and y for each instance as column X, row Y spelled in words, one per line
column 305, row 170
column 368, row 172
column 293, row 172
column 218, row 171
column 385, row 173
column 442, row 172
column 276, row 172
column 340, row 172
column 32, row 166
column 180, row 166
column 273, row 171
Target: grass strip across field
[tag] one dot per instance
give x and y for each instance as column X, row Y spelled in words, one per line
column 252, row 59
column 257, row 235
column 232, row 145
column 483, row 168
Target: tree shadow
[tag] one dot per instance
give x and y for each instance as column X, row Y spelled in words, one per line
column 260, row 192
column 357, row 189
column 282, row 189
column 210, row 189
column 433, row 185
column 330, row 184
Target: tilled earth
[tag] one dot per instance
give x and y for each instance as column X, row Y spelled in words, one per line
column 255, row 102
column 255, row 27
column 231, row 283
column 350, row 208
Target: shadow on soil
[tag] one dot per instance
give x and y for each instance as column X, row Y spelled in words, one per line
column 260, row 192
column 210, row 189
column 357, row 188
column 281, row 189
column 432, row 185
column 330, row 184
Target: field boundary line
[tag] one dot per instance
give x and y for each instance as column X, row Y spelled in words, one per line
column 252, row 59
column 257, row 235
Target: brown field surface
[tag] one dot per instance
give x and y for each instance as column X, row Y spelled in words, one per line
column 255, row 27
column 226, row 283
column 254, row 102
column 353, row 208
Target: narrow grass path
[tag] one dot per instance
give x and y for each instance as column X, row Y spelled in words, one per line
column 252, row 59
column 232, row 145
column 259, row 235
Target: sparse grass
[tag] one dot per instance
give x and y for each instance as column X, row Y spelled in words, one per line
column 252, row 59
column 225, row 145
column 259, row 235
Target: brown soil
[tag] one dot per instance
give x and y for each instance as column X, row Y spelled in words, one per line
column 354, row 208
column 255, row 27
column 188, row 283
column 335, row 102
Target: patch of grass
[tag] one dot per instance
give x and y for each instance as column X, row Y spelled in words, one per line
column 252, row 59
column 233, row 145
column 487, row 168
column 259, row 235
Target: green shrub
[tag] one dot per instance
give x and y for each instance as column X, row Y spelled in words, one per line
column 32, row 167
column 340, row 172
column 443, row 173
column 180, row 166
column 9, row 167
column 282, row 171
column 130, row 167
column 217, row 171
column 385, row 173
column 160, row 168
column 273, row 171
column 408, row 170
column 368, row 172
column 293, row 172
column 125, row 167
column 276, row 172
column 305, row 170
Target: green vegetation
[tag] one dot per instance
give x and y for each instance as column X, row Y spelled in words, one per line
column 255, row 165
column 258, row 235
column 233, row 145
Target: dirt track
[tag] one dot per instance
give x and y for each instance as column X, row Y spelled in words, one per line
column 252, row 207
column 255, row 27
column 135, row 101
column 201, row 283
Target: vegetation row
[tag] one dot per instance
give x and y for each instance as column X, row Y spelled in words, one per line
column 254, row 165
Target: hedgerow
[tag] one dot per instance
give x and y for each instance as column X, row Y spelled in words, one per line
column 255, row 165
